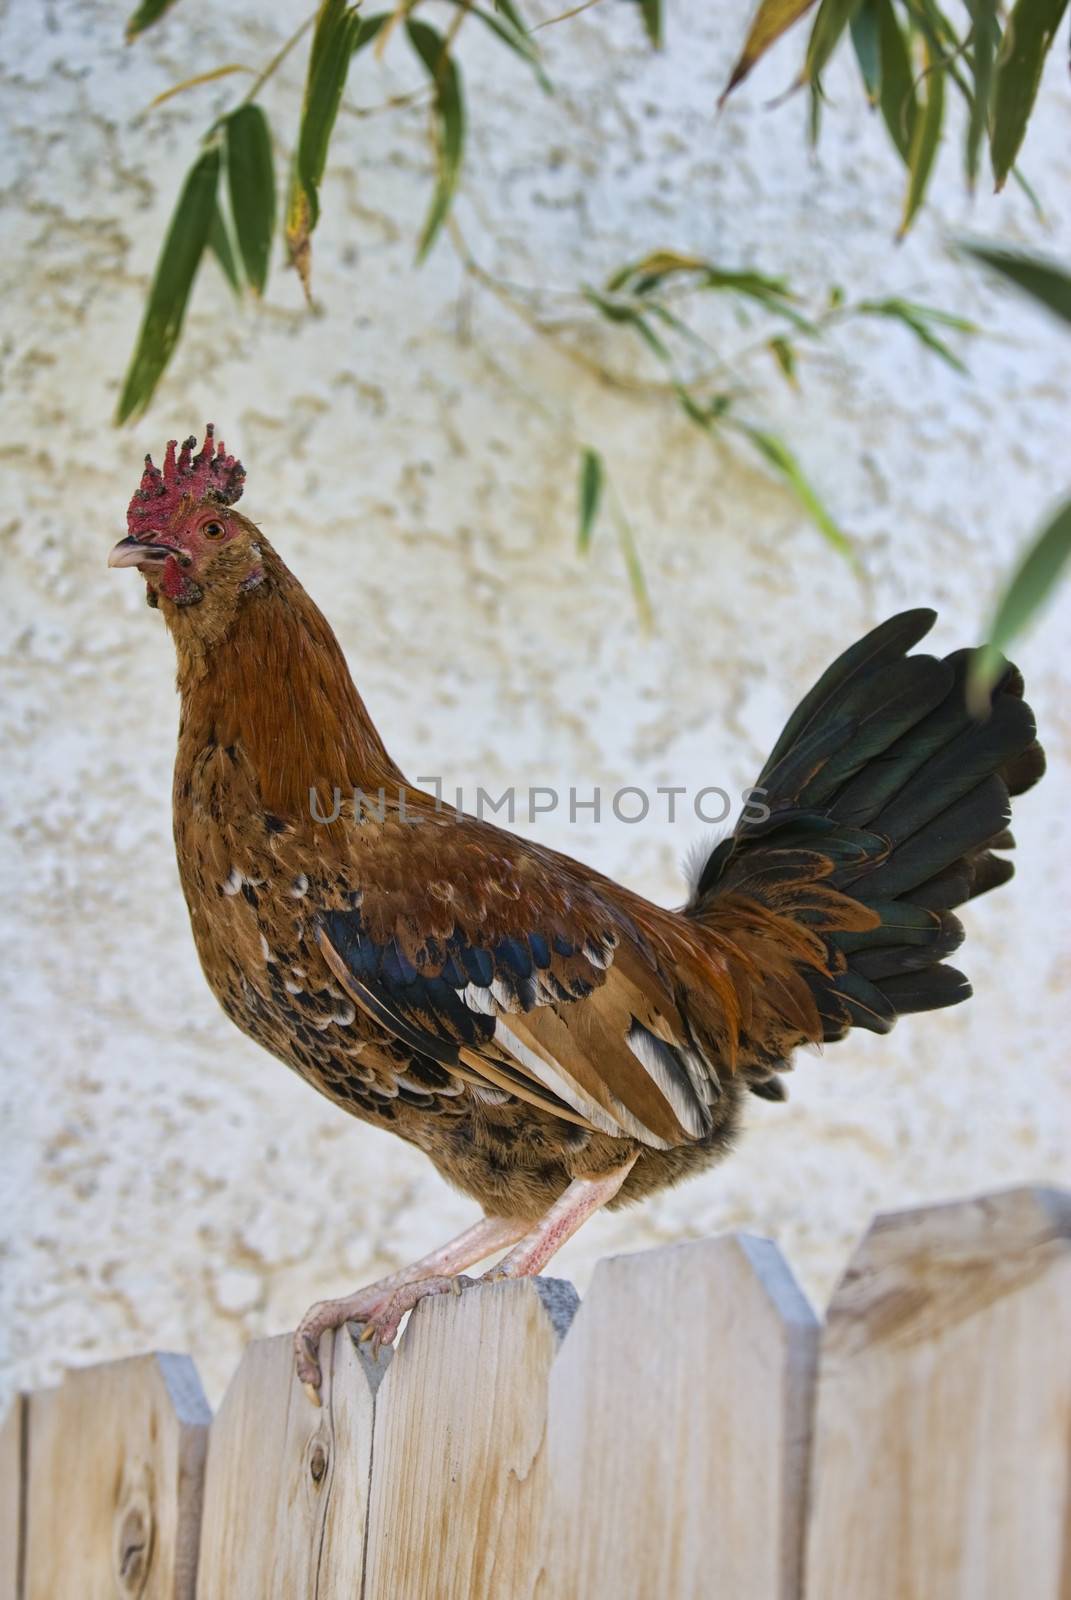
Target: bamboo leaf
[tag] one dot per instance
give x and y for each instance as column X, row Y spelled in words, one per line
column 637, row 581
column 219, row 242
column 641, row 278
column 899, row 106
column 431, row 47
column 776, row 452
column 337, row 34
column 1028, row 35
column 338, row 31
column 651, row 11
column 771, row 20
column 191, row 224
column 829, row 25
column 704, row 416
column 652, row 269
column 591, row 482
column 369, row 28
column 784, row 353
column 927, row 137
column 251, row 181
column 986, row 33
column 921, row 321
column 1043, row 280
column 513, row 33
column 1029, row 588
column 866, row 39
column 620, row 311
column 148, row 12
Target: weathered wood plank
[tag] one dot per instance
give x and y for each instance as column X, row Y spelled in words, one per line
column 12, row 1499
column 116, row 1462
column 678, row 1428
column 286, row 1484
column 941, row 1461
column 459, row 1480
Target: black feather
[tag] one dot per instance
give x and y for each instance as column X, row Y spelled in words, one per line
column 930, row 990
column 882, row 645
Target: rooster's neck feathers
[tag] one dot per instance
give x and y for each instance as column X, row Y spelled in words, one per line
column 273, row 680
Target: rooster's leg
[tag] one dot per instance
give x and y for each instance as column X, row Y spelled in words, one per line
column 528, row 1257
column 475, row 1244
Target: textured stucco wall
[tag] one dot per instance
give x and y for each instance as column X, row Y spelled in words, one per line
column 164, row 1183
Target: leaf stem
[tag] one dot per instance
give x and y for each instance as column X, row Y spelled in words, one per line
column 277, row 59
column 565, row 16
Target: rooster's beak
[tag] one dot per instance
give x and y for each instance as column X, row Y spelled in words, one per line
column 131, row 552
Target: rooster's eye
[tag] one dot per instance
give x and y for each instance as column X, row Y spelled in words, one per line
column 213, row 530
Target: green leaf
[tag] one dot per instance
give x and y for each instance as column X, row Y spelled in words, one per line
column 704, row 416
column 927, row 137
column 1047, row 283
column 1030, row 586
column 866, row 39
column 651, row 270
column 832, row 19
column 899, row 106
column 251, row 180
column 1031, row 194
column 621, row 311
column 771, row 20
column 651, row 11
column 641, row 278
column 921, row 321
column 1027, row 37
column 338, row 32
column 591, row 482
column 512, row 32
column 507, row 9
column 637, row 581
column 148, row 12
column 986, row 36
column 369, row 27
column 191, row 224
column 784, row 353
column 775, row 451
column 219, row 242
column 450, row 109
column 814, row 117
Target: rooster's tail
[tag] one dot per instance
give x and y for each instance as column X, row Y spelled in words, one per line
column 885, row 789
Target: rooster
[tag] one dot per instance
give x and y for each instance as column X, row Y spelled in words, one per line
column 552, row 1041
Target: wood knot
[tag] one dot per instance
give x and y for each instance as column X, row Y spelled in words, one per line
column 133, row 1546
column 318, row 1462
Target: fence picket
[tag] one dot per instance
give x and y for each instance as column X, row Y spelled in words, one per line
column 678, row 1428
column 941, row 1464
column 459, row 1480
column 677, row 1437
column 12, row 1503
column 286, row 1484
column 113, row 1500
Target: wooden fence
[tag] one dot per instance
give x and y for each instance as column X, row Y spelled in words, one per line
column 690, row 1430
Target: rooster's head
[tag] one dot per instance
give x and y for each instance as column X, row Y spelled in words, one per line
column 183, row 534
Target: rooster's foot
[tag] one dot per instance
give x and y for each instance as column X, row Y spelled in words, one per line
column 381, row 1325
column 324, row 1316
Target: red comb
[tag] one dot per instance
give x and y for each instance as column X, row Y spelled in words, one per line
column 211, row 474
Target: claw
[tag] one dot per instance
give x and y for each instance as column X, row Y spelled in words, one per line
column 313, row 1393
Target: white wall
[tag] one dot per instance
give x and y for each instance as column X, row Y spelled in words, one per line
column 165, row 1182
